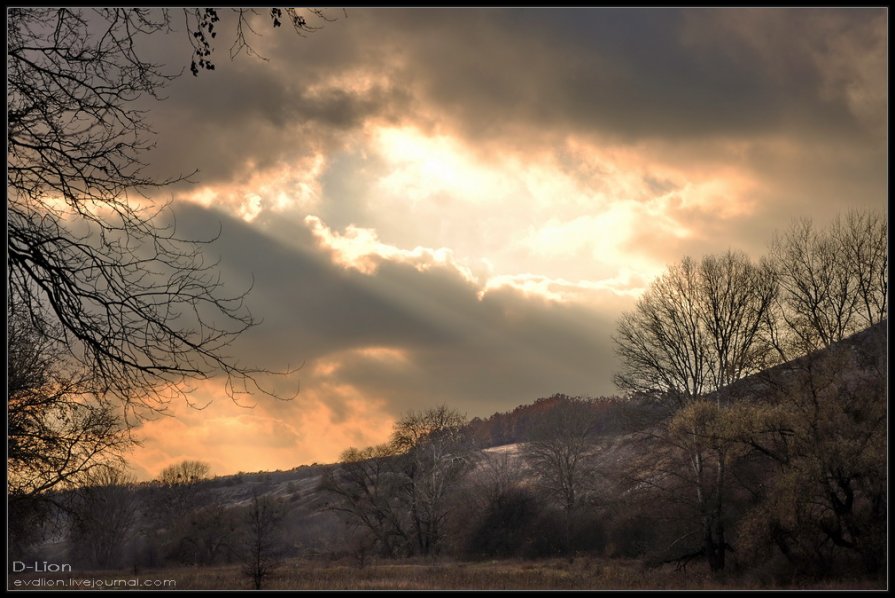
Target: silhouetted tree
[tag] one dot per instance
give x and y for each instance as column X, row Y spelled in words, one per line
column 400, row 491
column 863, row 237
column 697, row 328
column 499, row 509
column 507, row 524
column 561, row 452
column 261, row 546
column 416, row 427
column 366, row 489
column 96, row 269
column 105, row 511
column 201, row 24
column 434, row 452
column 834, row 282
column 184, row 473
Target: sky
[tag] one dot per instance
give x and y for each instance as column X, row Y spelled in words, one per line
column 453, row 206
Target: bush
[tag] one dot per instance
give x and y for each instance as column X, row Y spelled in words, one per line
column 631, row 537
column 588, row 532
column 507, row 526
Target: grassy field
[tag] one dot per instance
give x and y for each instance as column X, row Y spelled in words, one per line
column 579, row 574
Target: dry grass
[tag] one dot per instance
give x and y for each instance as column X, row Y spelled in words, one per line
column 556, row 574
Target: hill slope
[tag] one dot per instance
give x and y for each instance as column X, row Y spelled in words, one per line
column 626, row 460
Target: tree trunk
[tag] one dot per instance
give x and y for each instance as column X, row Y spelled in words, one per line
column 714, row 543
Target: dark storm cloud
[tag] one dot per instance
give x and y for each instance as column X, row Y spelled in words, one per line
column 310, row 308
column 254, row 118
column 634, row 73
column 505, row 350
column 262, row 112
column 517, row 75
column 477, row 355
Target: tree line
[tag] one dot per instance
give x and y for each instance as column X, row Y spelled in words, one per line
column 112, row 522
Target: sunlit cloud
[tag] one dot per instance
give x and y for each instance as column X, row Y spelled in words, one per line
column 561, row 290
column 388, row 357
column 361, row 249
column 423, row 167
column 295, row 186
column 576, row 200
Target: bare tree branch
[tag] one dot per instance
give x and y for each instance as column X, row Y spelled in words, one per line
column 96, row 264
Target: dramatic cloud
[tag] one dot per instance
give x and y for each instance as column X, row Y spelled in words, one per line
column 413, row 331
column 454, row 205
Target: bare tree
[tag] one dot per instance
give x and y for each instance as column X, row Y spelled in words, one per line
column 207, row 534
column 819, row 293
column 497, row 473
column 683, row 473
column 185, row 472
column 834, row 281
column 434, row 453
column 561, row 452
column 414, row 427
column 863, row 237
column 736, row 296
column 704, row 448
column 104, row 512
column 366, row 490
column 400, row 491
column 698, row 327
column 260, row 551
column 661, row 343
column 821, row 424
column 74, row 238
column 97, row 265
column 497, row 507
column 179, row 490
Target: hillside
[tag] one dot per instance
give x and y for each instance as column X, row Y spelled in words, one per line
column 619, row 420
column 617, row 416
column 626, row 512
